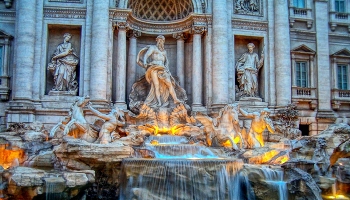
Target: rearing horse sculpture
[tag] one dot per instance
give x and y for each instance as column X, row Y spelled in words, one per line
column 224, row 128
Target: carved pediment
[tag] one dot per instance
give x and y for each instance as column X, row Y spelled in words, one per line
column 342, row 53
column 303, row 49
column 3, row 34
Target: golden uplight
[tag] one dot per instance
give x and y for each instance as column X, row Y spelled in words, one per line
column 8, row 156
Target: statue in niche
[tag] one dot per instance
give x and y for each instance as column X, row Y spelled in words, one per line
column 113, row 121
column 63, row 67
column 260, row 121
column 160, row 82
column 247, row 67
column 246, row 6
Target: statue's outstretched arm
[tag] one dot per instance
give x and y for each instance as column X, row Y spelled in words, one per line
column 245, row 113
column 98, row 113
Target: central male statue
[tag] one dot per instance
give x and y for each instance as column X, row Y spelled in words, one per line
column 154, row 59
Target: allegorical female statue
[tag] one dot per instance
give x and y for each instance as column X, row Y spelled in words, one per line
column 63, row 67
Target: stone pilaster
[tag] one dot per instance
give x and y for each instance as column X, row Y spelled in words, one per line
column 323, row 69
column 133, row 35
column 180, row 58
column 282, row 54
column 220, row 54
column 197, row 73
column 99, row 51
column 121, row 66
column 21, row 109
column 325, row 115
column 25, row 43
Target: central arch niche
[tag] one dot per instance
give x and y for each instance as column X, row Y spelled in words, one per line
column 161, row 10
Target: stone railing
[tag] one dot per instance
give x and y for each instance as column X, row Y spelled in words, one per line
column 341, row 94
column 340, row 97
column 300, row 14
column 4, row 88
column 303, row 93
column 336, row 19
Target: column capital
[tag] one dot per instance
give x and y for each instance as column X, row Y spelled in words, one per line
column 121, row 25
column 198, row 29
column 180, row 36
column 133, row 34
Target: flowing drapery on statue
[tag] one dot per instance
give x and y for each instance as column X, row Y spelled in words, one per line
column 162, row 84
column 63, row 67
column 247, row 67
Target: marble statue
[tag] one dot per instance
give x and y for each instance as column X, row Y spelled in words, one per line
column 260, row 121
column 75, row 124
column 63, row 67
column 154, row 59
column 247, row 67
column 224, row 129
column 113, row 121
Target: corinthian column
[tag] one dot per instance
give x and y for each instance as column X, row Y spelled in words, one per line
column 121, row 66
column 25, row 43
column 282, row 54
column 99, row 51
column 220, row 54
column 197, row 71
column 180, row 57
column 132, row 59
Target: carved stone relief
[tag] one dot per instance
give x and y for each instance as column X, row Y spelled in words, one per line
column 248, row 7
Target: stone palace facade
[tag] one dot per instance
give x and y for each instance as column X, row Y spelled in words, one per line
column 54, row 50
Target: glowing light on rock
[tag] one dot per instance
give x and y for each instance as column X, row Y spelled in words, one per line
column 7, row 157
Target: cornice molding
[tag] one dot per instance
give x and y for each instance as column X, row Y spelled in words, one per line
column 72, row 13
column 249, row 25
column 160, row 27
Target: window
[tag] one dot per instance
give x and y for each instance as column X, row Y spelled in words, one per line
column 299, row 3
column 342, row 71
column 304, row 129
column 339, row 5
column 301, row 74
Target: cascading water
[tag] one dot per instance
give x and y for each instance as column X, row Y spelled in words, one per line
column 275, row 179
column 184, row 171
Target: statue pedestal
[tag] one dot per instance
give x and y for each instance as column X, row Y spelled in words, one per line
column 252, row 103
column 62, row 93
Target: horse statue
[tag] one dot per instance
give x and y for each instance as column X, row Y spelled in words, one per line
column 75, row 124
column 224, row 129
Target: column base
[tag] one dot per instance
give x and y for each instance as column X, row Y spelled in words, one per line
column 199, row 108
column 121, row 105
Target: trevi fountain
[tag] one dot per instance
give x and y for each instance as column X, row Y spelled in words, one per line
column 159, row 149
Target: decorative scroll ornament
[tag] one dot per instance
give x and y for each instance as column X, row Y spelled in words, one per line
column 198, row 29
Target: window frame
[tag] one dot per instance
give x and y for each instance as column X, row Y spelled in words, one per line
column 340, row 80
column 296, row 3
column 336, row 7
column 298, row 72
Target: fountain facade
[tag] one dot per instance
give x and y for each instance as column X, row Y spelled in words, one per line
column 165, row 99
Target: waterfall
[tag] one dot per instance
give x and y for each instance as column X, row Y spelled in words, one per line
column 275, row 179
column 180, row 179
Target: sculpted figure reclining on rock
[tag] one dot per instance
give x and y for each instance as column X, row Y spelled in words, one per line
column 113, row 121
column 260, row 121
